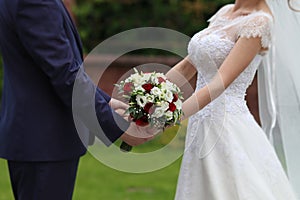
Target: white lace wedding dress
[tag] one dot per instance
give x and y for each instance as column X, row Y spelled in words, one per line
column 227, row 155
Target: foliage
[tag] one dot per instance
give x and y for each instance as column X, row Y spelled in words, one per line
column 100, row 19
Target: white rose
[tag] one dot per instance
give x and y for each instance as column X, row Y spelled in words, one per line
column 169, row 86
column 178, row 104
column 141, row 100
column 146, row 77
column 159, row 112
column 164, row 106
column 139, row 88
column 169, row 115
column 169, row 96
column 137, row 79
column 162, row 96
column 155, row 91
column 163, row 86
column 150, row 98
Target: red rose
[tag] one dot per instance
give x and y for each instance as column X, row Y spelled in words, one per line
column 147, row 107
column 172, row 107
column 175, row 97
column 128, row 87
column 143, row 121
column 147, row 87
column 161, row 79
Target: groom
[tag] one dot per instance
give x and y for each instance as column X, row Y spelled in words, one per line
column 42, row 54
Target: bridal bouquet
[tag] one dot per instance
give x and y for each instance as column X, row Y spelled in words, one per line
column 153, row 100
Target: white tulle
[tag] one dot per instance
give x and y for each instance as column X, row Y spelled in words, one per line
column 227, row 155
column 279, row 89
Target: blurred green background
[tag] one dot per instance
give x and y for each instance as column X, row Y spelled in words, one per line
column 100, row 19
column 96, row 21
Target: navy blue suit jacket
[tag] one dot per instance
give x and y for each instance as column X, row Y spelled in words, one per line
column 42, row 54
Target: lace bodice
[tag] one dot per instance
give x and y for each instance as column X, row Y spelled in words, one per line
column 209, row 48
column 223, row 156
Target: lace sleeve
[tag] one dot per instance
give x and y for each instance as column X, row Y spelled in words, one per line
column 258, row 26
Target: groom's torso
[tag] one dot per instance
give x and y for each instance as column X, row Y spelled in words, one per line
column 35, row 124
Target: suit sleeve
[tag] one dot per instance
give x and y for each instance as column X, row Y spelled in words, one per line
column 104, row 95
column 40, row 27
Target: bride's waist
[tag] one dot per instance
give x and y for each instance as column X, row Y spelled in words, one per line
column 223, row 105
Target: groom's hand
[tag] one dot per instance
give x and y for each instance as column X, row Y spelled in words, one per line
column 137, row 135
column 119, row 107
column 132, row 140
column 117, row 104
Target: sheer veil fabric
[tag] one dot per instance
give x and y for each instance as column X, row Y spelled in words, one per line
column 279, row 89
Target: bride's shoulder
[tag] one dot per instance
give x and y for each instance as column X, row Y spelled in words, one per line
column 260, row 16
column 225, row 8
column 257, row 24
column 263, row 13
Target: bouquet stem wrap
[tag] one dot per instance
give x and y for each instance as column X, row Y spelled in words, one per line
column 125, row 147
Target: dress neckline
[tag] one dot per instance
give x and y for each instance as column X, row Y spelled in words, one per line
column 255, row 11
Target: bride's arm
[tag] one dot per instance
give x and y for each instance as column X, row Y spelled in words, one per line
column 236, row 62
column 182, row 72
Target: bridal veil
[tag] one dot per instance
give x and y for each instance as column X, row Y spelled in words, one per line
column 279, row 89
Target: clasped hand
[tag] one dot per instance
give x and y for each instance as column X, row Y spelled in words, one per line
column 134, row 135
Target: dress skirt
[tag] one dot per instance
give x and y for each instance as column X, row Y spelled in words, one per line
column 230, row 158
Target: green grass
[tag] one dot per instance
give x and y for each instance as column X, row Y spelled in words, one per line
column 5, row 189
column 96, row 181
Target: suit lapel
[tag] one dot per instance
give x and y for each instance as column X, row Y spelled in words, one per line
column 71, row 24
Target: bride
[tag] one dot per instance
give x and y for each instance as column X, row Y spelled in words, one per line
column 228, row 155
